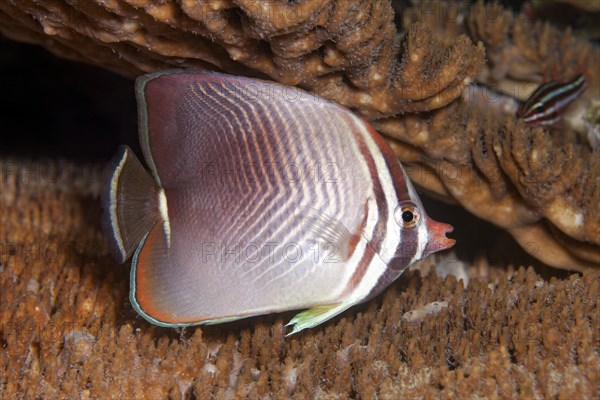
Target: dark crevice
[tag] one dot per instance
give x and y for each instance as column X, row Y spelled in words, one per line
column 53, row 108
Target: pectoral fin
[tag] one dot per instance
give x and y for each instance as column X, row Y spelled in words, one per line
column 330, row 233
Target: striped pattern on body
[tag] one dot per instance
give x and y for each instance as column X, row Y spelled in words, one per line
column 251, row 170
column 547, row 103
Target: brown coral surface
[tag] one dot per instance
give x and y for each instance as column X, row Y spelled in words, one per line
column 67, row 330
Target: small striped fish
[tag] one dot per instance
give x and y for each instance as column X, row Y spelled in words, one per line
column 547, row 103
column 260, row 199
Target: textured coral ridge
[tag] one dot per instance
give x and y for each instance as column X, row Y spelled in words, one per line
column 67, row 330
column 345, row 50
column 544, row 188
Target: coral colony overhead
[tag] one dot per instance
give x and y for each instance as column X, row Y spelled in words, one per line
column 260, row 198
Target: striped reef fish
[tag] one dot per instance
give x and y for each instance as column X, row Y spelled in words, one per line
column 260, row 199
column 548, row 102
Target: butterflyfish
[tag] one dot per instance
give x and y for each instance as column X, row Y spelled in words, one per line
column 258, row 198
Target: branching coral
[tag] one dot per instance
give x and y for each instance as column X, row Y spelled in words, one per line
column 541, row 186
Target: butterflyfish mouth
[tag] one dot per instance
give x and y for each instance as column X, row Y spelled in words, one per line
column 438, row 239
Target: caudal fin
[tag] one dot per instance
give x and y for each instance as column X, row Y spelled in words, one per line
column 130, row 200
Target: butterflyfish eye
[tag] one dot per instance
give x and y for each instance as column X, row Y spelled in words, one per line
column 407, row 215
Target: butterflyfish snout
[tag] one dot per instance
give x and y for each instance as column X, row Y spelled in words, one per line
column 258, row 198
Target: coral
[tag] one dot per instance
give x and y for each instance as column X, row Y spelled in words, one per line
column 346, row 51
column 541, row 186
column 511, row 175
column 67, row 330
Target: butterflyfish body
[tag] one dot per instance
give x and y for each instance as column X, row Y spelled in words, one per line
column 259, row 198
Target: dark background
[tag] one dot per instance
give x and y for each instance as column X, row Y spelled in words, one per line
column 51, row 108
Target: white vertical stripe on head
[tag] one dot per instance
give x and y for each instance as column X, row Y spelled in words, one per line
column 360, row 250
column 422, row 240
column 378, row 264
column 392, row 237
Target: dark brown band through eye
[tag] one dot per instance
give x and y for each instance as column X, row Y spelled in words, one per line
column 407, row 215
